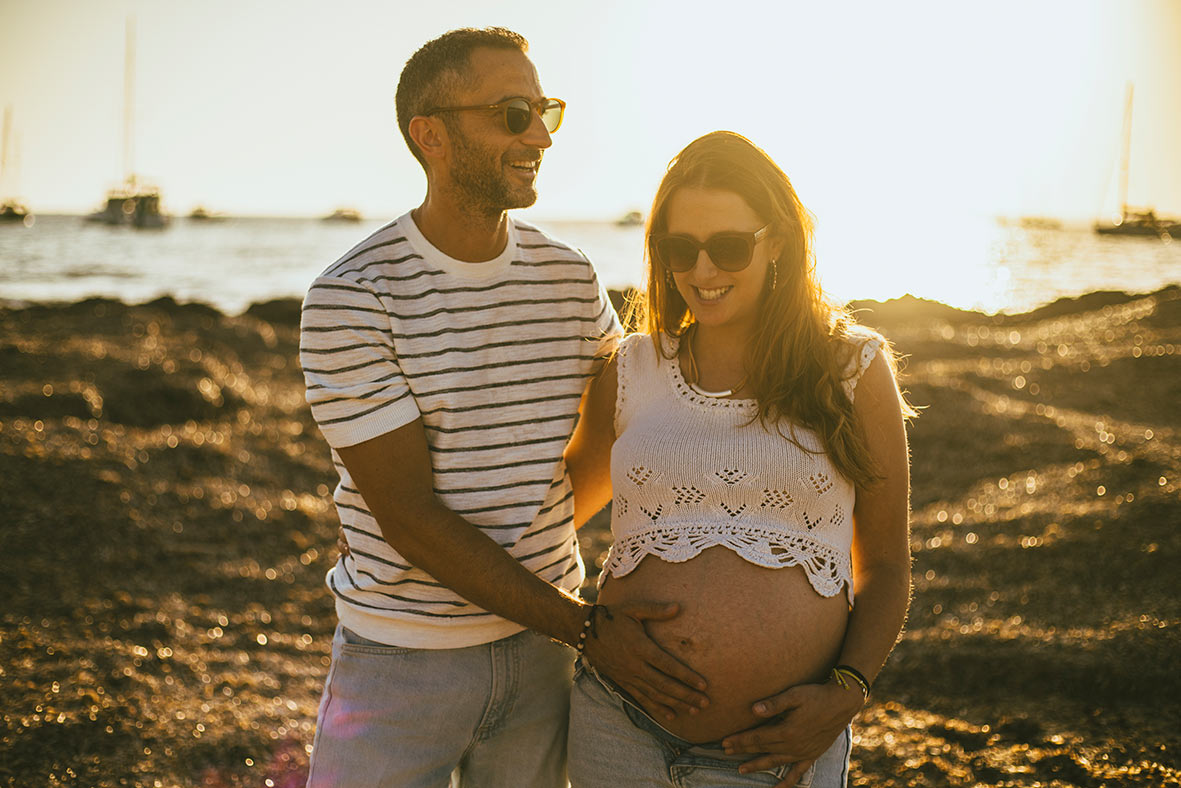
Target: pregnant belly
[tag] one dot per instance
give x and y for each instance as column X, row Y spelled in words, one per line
column 750, row 631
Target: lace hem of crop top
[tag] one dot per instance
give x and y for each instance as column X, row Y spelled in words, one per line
column 828, row 571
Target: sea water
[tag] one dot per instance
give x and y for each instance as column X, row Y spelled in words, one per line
column 984, row 264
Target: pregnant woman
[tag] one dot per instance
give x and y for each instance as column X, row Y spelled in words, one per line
column 759, row 476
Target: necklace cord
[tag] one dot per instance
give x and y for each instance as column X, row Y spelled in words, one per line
column 695, row 373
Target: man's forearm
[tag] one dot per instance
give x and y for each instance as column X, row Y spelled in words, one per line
column 470, row 563
column 395, row 477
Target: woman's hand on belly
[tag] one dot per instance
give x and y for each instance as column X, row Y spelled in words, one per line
column 804, row 721
column 750, row 631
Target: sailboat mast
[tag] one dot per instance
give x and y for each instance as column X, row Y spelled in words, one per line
column 129, row 104
column 1125, row 155
column 4, row 142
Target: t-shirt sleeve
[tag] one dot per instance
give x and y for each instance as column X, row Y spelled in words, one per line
column 608, row 329
column 354, row 383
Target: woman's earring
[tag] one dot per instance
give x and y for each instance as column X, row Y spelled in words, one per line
column 774, row 273
column 668, row 277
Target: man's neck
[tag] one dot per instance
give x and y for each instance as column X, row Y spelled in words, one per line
column 458, row 233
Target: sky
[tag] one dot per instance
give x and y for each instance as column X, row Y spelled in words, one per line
column 881, row 113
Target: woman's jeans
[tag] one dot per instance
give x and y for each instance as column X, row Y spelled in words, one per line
column 494, row 714
column 614, row 743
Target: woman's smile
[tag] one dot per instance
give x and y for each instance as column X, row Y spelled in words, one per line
column 712, row 295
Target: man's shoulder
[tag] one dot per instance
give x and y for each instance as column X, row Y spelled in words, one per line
column 539, row 246
column 376, row 256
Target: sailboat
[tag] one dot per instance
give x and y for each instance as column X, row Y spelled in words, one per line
column 134, row 202
column 1141, row 222
column 15, row 211
column 344, row 215
column 11, row 209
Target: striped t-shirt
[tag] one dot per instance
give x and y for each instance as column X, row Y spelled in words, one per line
column 493, row 357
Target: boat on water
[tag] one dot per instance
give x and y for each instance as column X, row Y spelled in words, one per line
column 202, row 214
column 11, row 209
column 1141, row 222
column 131, row 203
column 630, row 219
column 1039, row 223
column 344, row 215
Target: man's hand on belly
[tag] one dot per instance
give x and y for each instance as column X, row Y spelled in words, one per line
column 622, row 649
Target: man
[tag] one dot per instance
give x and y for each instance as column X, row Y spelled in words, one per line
column 445, row 357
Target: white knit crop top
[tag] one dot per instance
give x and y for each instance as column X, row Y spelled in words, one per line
column 691, row 472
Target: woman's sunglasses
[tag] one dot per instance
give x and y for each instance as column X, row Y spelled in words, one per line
column 728, row 251
column 518, row 112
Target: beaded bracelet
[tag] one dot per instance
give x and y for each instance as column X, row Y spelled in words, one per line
column 588, row 629
column 842, row 672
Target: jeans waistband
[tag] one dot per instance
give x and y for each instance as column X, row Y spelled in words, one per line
column 645, row 722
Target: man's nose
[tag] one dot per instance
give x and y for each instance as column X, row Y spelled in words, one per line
column 537, row 134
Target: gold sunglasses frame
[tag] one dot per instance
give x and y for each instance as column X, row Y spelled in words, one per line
column 536, row 106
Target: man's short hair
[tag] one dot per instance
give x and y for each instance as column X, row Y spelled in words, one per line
column 436, row 72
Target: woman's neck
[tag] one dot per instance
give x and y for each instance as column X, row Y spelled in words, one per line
column 714, row 358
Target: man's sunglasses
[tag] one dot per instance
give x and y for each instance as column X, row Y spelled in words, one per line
column 728, row 251
column 518, row 112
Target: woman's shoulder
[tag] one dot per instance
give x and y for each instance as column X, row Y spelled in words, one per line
column 632, row 375
column 628, row 341
column 857, row 335
column 638, row 361
column 642, row 347
column 860, row 345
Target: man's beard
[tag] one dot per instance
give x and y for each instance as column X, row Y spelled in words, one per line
column 480, row 177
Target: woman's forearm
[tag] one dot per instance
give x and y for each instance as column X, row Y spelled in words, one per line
column 881, row 601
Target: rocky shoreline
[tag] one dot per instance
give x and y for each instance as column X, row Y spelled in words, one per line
column 167, row 523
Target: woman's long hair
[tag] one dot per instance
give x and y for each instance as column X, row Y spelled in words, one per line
column 802, row 345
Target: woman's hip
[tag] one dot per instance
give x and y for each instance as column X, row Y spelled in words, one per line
column 614, row 743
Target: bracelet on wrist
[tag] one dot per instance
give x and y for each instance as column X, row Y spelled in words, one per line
column 588, row 629
column 843, row 675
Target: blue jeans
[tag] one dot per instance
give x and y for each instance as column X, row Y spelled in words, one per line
column 490, row 715
column 614, row 743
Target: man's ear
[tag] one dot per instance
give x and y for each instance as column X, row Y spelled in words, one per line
column 430, row 135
